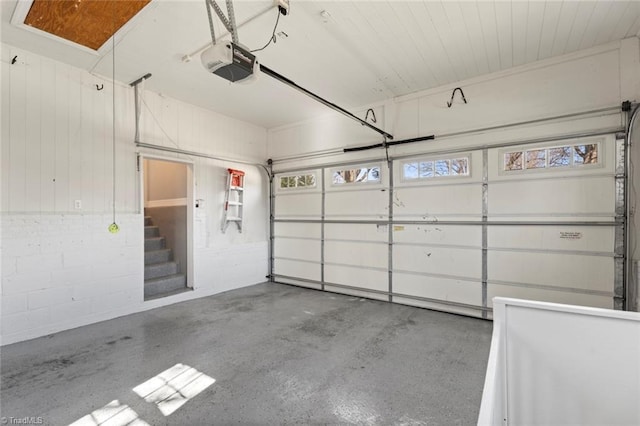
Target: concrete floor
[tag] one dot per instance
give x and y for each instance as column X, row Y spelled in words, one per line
column 278, row 354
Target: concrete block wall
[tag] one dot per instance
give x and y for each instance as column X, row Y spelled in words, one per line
column 61, row 271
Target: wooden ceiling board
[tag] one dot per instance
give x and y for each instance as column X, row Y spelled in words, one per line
column 549, row 29
column 598, row 20
column 535, row 20
column 425, row 46
column 471, row 17
column 614, row 17
column 487, row 14
column 505, row 33
column 89, row 23
column 579, row 26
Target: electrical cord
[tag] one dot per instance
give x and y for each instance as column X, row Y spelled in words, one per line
column 273, row 35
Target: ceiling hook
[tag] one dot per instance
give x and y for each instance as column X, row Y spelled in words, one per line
column 453, row 94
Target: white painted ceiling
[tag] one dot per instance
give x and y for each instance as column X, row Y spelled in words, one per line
column 361, row 53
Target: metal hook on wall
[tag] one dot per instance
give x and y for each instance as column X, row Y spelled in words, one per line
column 373, row 115
column 453, row 94
column 99, row 87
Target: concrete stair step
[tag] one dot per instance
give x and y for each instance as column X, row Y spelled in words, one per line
column 151, row 231
column 168, row 293
column 164, row 286
column 158, row 270
column 148, row 221
column 157, row 256
column 154, row 243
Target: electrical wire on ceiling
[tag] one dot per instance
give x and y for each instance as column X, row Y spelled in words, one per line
column 273, row 35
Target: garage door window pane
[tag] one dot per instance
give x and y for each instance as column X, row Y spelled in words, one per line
column 560, row 157
column 442, row 167
column 410, row 170
column 536, row 159
column 513, row 161
column 426, row 169
column 310, row 180
column 585, row 154
column 460, row 166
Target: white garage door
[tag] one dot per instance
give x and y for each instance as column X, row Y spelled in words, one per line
column 452, row 230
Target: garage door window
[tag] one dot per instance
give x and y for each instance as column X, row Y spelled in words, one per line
column 301, row 181
column 356, row 175
column 557, row 157
column 431, row 168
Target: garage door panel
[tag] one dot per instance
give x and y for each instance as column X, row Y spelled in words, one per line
column 443, row 307
column 594, row 273
column 299, row 283
column 354, row 231
column 558, row 244
column 497, row 290
column 295, row 248
column 455, row 262
column 356, row 293
column 567, row 238
column 297, row 268
column 298, row 205
column 573, row 196
column 364, row 204
column 356, row 254
column 357, row 277
column 470, row 236
column 452, row 290
column 300, row 230
column 432, row 201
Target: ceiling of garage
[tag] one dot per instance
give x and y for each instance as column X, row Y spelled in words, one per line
column 352, row 53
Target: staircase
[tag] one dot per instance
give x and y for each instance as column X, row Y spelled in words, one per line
column 162, row 275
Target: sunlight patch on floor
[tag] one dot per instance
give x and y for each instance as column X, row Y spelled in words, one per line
column 172, row 388
column 112, row 414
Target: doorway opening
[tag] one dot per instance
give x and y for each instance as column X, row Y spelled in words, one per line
column 168, row 226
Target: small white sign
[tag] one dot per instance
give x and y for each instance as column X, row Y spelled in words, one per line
column 570, row 235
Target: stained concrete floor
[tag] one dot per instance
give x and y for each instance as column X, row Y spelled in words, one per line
column 278, row 354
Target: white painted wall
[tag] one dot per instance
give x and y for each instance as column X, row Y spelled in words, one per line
column 591, row 79
column 60, row 267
